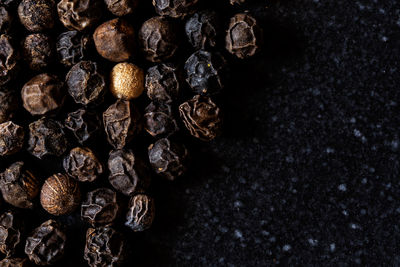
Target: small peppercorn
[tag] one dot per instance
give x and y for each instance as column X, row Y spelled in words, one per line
column 60, row 195
column 38, row 50
column 82, row 165
column 162, row 83
column 121, row 7
column 101, row 207
column 115, row 40
column 73, row 47
column 9, row 57
column 79, row 14
column 11, row 138
column 244, row 36
column 11, row 232
column 159, row 39
column 8, row 104
column 168, row 159
column 140, row 214
column 37, row 15
column 201, row 117
column 19, row 186
column 174, row 8
column 128, row 174
column 202, row 29
column 85, row 84
column 205, row 72
column 159, row 120
column 126, row 81
column 44, row 93
column 46, row 244
column 83, row 123
column 6, row 20
column 122, row 122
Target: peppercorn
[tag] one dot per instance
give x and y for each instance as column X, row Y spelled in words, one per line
column 46, row 138
column 121, row 7
column 8, row 104
column 37, row 15
column 162, row 83
column 82, row 164
column 175, row 8
column 104, row 247
column 19, row 186
column 38, row 50
column 60, row 195
column 9, row 58
column 115, row 40
column 101, row 207
column 168, row 159
column 201, row 117
column 122, row 122
column 159, row 120
column 126, row 81
column 11, row 232
column 46, row 244
column 73, row 47
column 159, row 39
column 6, row 20
column 11, row 138
column 140, row 214
column 85, row 83
column 128, row 174
column 79, row 14
column 15, row 262
column 43, row 94
column 83, row 123
column 244, row 36
column 202, row 29
column 205, row 72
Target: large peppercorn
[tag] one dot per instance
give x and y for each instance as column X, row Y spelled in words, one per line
column 159, row 120
column 202, row 29
column 168, row 159
column 85, row 84
column 128, row 174
column 162, row 83
column 60, row 195
column 19, row 186
column 37, row 15
column 121, row 7
column 6, row 20
column 122, row 122
column 140, row 214
column 11, row 138
column 101, row 207
column 201, row 117
column 46, row 138
column 79, row 14
column 205, row 72
column 38, row 50
column 174, row 8
column 159, row 39
column 11, row 232
column 15, row 262
column 244, row 36
column 104, row 247
column 73, row 47
column 82, row 165
column 83, row 123
column 126, row 81
column 46, row 244
column 8, row 59
column 8, row 104
column 44, row 93
column 115, row 40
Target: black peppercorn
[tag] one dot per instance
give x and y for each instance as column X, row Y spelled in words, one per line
column 162, row 83
column 168, row 159
column 73, row 47
column 244, row 36
column 8, row 104
column 11, row 138
column 174, row 8
column 11, row 232
column 205, row 72
column 37, row 15
column 121, row 7
column 79, row 14
column 8, row 59
column 6, row 20
column 140, row 214
column 159, row 120
column 202, row 29
column 101, row 207
column 38, row 51
column 46, row 244
column 83, row 123
column 201, row 117
column 128, row 174
column 85, row 84
column 159, row 39
column 82, row 165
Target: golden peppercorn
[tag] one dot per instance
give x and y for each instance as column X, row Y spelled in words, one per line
column 126, row 81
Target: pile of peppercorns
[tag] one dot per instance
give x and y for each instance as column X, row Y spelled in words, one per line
column 50, row 67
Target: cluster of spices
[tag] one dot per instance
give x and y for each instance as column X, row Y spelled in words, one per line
column 79, row 78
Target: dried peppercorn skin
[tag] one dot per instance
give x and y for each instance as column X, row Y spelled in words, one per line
column 82, row 165
column 37, row 15
column 162, row 83
column 175, row 8
column 9, row 57
column 140, row 213
column 78, row 14
column 202, row 29
column 159, row 120
column 121, row 7
column 11, row 232
column 73, row 47
column 6, row 20
column 11, row 138
column 83, row 123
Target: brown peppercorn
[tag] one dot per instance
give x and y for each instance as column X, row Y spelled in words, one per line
column 19, row 186
column 15, row 262
column 8, row 59
column 159, row 120
column 126, row 81
column 201, row 117
column 159, row 39
column 11, row 138
column 121, row 7
column 8, row 104
column 82, row 165
column 115, row 40
column 101, row 207
column 79, row 14
column 37, row 15
column 141, row 213
column 85, row 84
column 244, row 36
column 122, row 122
column 60, row 195
column 73, row 47
column 11, row 232
column 83, row 123
column 162, row 83
column 38, row 50
column 6, row 20
column 175, row 8
column 44, row 93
